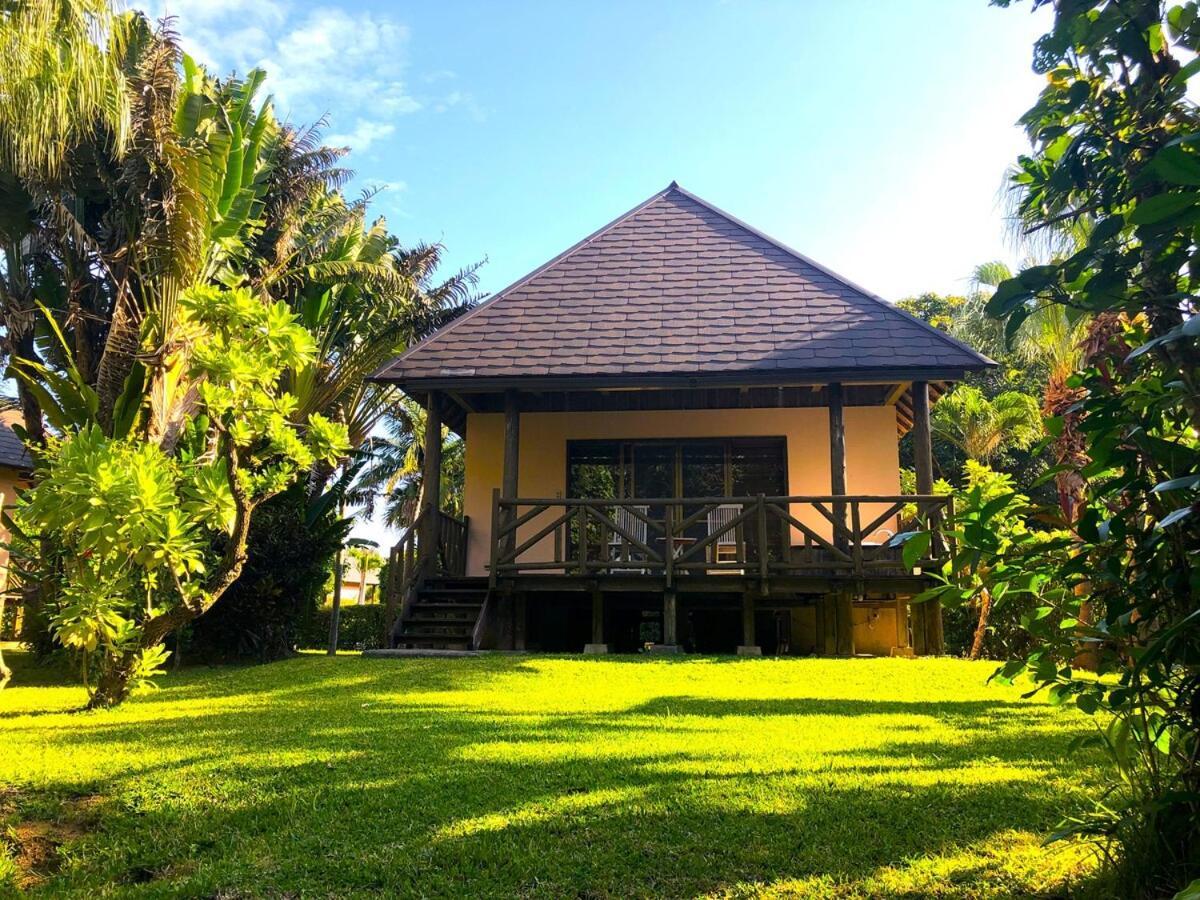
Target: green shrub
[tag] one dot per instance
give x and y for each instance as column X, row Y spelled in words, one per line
column 359, row 628
column 8, row 625
column 290, row 553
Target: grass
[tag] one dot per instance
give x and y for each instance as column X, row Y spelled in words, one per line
column 549, row 777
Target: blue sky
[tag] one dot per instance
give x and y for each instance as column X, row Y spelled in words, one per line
column 872, row 135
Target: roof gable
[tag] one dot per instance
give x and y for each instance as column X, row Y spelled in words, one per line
column 676, row 287
column 13, row 454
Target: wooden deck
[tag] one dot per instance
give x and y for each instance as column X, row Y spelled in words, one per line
column 718, row 544
column 832, row 552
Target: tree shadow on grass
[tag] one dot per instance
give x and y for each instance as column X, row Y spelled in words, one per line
column 345, row 784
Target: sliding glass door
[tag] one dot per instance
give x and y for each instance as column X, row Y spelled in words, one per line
column 706, row 468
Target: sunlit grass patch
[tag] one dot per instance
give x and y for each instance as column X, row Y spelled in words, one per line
column 543, row 776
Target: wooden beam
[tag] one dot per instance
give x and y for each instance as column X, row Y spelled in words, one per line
column 512, row 451
column 431, row 485
column 462, row 401
column 837, row 455
column 927, row 621
column 896, row 393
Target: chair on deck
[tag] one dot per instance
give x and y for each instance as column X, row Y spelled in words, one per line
column 620, row 550
column 725, row 548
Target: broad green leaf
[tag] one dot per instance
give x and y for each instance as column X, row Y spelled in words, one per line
column 1160, row 207
column 1187, row 482
column 915, row 548
column 1175, row 165
column 1171, row 518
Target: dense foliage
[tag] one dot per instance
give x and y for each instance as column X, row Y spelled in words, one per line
column 359, row 628
column 1108, row 570
column 137, row 188
column 133, row 538
column 273, row 603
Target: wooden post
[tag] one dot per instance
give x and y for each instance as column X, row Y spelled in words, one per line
column 845, row 622
column 431, row 486
column 520, row 620
column 902, row 624
column 512, row 451
column 837, row 456
column 828, row 619
column 839, row 624
column 669, row 617
column 927, row 619
column 749, row 646
column 597, row 645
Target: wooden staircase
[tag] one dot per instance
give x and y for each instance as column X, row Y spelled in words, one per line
column 443, row 614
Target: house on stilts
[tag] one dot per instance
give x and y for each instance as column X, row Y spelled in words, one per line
column 681, row 434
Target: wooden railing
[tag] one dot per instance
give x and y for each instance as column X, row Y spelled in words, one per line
column 452, row 546
column 407, row 567
column 841, row 535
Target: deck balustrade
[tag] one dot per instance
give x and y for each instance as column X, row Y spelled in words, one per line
column 851, row 536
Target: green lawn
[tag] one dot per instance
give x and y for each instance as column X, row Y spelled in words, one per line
column 550, row 777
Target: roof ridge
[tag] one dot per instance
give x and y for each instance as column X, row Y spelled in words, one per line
column 499, row 295
column 869, row 295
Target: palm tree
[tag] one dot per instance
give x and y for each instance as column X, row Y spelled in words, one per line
column 1054, row 337
column 394, row 465
column 65, row 88
column 366, row 560
column 980, row 427
column 364, row 297
column 1049, row 337
column 62, row 80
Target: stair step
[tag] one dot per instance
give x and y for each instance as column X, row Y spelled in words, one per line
column 426, row 644
column 436, row 631
column 417, row 617
column 443, row 615
column 447, row 606
column 451, row 594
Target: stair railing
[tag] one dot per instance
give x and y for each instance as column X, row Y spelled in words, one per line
column 406, row 564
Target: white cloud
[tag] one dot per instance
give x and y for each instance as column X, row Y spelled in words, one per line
column 350, row 66
column 365, row 133
column 394, row 187
column 463, row 100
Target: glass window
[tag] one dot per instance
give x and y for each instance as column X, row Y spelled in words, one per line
column 594, row 470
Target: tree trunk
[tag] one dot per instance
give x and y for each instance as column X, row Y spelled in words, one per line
column 985, row 610
column 115, row 682
column 113, row 685
column 336, row 612
column 5, row 671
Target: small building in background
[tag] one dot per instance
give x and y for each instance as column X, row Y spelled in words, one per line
column 15, row 470
column 356, row 588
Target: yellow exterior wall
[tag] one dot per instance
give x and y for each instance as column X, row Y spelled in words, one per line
column 11, row 480
column 872, row 455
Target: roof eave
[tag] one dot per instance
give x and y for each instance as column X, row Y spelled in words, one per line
column 476, row 384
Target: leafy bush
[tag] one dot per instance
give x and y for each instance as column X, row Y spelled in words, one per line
column 145, row 532
column 289, row 554
column 8, row 624
column 359, row 628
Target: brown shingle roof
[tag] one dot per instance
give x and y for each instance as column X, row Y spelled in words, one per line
column 12, row 452
column 676, row 287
